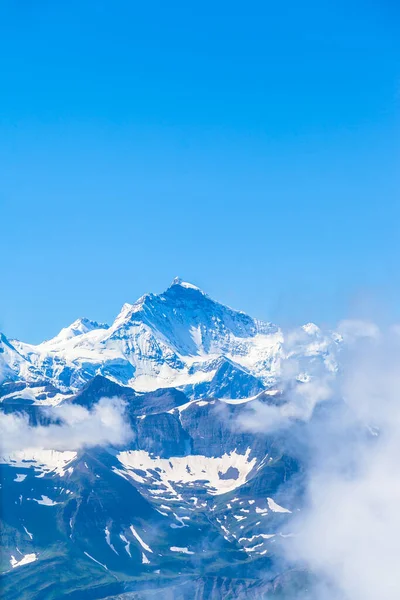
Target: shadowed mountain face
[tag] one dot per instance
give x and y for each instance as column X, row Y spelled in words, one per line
column 189, row 505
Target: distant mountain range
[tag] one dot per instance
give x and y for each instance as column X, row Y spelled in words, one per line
column 180, row 338
column 192, row 506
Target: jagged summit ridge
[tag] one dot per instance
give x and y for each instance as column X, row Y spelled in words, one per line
column 177, row 338
column 78, row 327
column 185, row 284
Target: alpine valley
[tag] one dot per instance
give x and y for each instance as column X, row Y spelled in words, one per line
column 192, row 503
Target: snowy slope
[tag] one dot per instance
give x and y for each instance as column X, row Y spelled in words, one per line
column 14, row 365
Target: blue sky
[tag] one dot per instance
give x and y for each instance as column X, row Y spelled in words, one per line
column 250, row 148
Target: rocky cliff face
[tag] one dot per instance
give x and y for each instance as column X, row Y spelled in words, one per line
column 190, row 505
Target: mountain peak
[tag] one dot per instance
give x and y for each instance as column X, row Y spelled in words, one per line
column 175, row 338
column 177, row 281
column 185, row 284
column 78, row 327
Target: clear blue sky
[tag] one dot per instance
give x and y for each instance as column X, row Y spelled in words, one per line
column 249, row 147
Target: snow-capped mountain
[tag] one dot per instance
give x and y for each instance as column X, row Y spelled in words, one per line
column 180, row 338
column 190, row 504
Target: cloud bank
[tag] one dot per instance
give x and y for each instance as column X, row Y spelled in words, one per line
column 78, row 427
column 348, row 529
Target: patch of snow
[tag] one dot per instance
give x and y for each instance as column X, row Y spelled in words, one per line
column 32, row 394
column 276, row 508
column 265, row 536
column 238, row 400
column 191, row 468
column 108, row 540
column 226, row 531
column 127, row 544
column 186, row 284
column 96, row 561
column 28, row 558
column 139, row 539
column 27, row 532
column 261, row 511
column 45, row 501
column 180, row 521
column 183, row 550
column 253, row 548
column 46, row 461
column 120, row 472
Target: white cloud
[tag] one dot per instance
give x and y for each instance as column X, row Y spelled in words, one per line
column 348, row 531
column 104, row 424
column 267, row 418
column 353, row 329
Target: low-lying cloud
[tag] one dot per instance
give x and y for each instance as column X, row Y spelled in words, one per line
column 347, row 532
column 267, row 418
column 77, row 427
